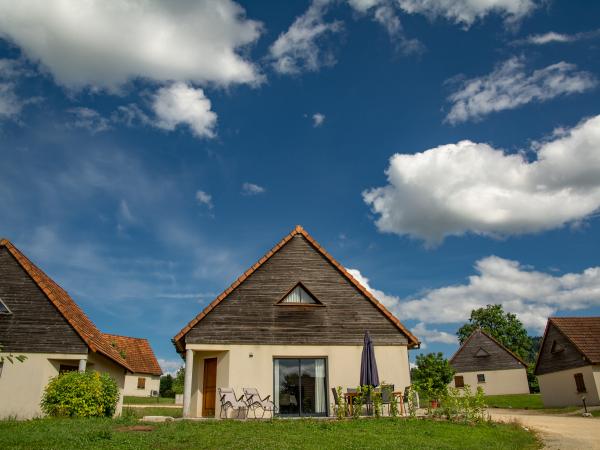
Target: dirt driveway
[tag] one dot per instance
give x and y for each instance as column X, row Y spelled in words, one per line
column 556, row 431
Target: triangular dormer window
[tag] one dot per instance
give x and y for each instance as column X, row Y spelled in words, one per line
column 299, row 295
column 556, row 348
column 3, row 308
column 481, row 353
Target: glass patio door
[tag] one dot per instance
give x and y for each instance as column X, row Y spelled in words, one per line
column 300, row 386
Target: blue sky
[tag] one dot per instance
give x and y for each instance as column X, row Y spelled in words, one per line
column 152, row 152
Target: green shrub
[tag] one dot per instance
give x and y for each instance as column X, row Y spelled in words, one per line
column 81, row 394
column 462, row 405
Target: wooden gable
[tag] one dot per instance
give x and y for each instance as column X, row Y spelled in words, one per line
column 250, row 312
column 557, row 352
column 481, row 352
column 34, row 324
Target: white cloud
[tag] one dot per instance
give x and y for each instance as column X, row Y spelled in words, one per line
column 385, row 13
column 252, row 189
column 105, row 44
column 422, row 332
column 10, row 104
column 170, row 366
column 182, row 104
column 298, row 49
column 553, row 37
column 533, row 296
column 318, row 119
column 204, row 198
column 472, row 187
column 88, row 119
column 466, row 12
column 510, row 86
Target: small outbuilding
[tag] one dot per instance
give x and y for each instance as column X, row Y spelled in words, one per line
column 145, row 379
column 483, row 361
column 568, row 364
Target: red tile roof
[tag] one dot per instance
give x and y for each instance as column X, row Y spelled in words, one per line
column 584, row 334
column 412, row 340
column 67, row 307
column 137, row 352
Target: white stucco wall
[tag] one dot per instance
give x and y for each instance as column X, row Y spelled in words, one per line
column 131, row 383
column 22, row 384
column 559, row 388
column 236, row 369
column 497, row 382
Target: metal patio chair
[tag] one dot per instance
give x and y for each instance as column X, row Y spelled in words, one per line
column 229, row 401
column 255, row 401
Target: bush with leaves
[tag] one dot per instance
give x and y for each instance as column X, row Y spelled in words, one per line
column 432, row 375
column 81, row 394
column 462, row 405
column 179, row 381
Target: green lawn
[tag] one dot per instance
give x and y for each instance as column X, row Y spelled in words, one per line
column 524, row 401
column 596, row 413
column 515, row 401
column 152, row 411
column 280, row 434
column 145, row 400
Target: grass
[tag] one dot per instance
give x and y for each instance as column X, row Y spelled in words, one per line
column 280, row 434
column 596, row 413
column 524, row 401
column 128, row 400
column 152, row 411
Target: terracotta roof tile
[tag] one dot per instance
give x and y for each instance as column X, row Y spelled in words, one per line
column 138, row 353
column 66, row 306
column 298, row 230
column 583, row 332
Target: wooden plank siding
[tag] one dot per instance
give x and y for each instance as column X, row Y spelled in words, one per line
column 250, row 315
column 35, row 325
column 499, row 358
column 569, row 358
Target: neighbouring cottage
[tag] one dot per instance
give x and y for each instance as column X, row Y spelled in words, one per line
column 40, row 320
column 145, row 379
column 291, row 326
column 483, row 361
column 568, row 364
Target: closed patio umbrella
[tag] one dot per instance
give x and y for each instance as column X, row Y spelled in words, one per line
column 368, row 365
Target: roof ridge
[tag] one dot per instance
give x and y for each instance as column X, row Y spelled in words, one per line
column 496, row 341
column 66, row 306
column 298, row 230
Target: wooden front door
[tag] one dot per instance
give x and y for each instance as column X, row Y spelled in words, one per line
column 209, row 388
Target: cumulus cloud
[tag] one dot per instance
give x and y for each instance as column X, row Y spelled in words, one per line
column 181, row 104
column 170, row 366
column 466, row 12
column 318, row 119
column 429, row 335
column 204, row 198
column 532, row 295
column 510, row 86
column 105, row 44
column 554, row 37
column 88, row 119
column 10, row 104
column 472, row 187
column 252, row 189
column 299, row 48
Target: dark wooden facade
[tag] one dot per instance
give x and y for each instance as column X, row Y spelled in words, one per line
column 558, row 353
column 250, row 313
column 480, row 352
column 35, row 324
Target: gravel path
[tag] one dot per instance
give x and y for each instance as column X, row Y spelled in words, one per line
column 556, row 432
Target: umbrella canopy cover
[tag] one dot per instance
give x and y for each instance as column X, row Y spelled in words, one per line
column 368, row 365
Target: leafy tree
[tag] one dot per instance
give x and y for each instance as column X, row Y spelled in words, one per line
column 178, row 381
column 166, row 386
column 503, row 326
column 81, row 394
column 432, row 374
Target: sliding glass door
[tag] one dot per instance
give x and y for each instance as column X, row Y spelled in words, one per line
column 300, row 386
